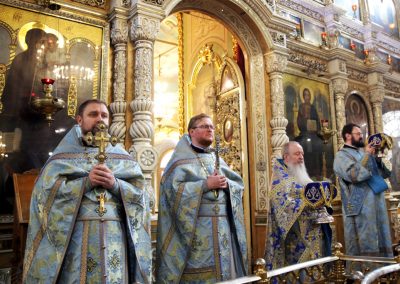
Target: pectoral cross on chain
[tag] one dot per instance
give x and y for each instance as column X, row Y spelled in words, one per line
column 101, row 140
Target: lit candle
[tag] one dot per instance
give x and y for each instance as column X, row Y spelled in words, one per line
column 352, row 45
column 47, row 81
column 389, row 59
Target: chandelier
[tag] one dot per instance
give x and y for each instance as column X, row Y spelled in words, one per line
column 65, row 72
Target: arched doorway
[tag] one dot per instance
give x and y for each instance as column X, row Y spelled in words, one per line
column 252, row 108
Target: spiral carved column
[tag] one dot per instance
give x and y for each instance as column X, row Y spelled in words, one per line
column 340, row 89
column 119, row 39
column 275, row 66
column 143, row 32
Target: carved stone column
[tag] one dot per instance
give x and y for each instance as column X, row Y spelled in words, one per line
column 143, row 31
column 340, row 85
column 119, row 39
column 275, row 65
column 376, row 96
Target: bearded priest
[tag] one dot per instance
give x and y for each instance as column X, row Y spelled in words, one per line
column 293, row 234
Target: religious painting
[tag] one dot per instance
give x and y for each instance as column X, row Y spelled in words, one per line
column 383, row 13
column 352, row 7
column 34, row 48
column 356, row 112
column 391, row 126
column 306, row 105
column 312, row 33
column 353, row 45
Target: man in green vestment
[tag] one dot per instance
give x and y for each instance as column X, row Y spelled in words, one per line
column 89, row 222
column 201, row 235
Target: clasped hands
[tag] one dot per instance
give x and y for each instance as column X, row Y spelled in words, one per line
column 102, row 176
column 216, row 181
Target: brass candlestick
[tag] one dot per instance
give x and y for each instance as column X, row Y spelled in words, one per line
column 325, row 134
column 47, row 105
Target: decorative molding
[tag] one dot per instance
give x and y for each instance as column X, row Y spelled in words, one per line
column 352, row 32
column 56, row 13
column 278, row 38
column 302, row 9
column 310, row 62
column 94, row 3
column 393, row 87
column 270, row 4
column 154, row 2
column 357, row 75
column 358, row 87
column 144, row 28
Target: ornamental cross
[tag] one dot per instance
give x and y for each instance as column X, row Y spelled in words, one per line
column 218, row 150
column 101, row 140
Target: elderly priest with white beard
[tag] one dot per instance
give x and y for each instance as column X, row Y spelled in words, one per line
column 293, row 234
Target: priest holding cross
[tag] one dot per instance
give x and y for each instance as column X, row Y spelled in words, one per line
column 201, row 235
column 90, row 210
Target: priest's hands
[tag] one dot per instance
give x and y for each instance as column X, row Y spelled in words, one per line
column 370, row 149
column 102, row 176
column 216, row 181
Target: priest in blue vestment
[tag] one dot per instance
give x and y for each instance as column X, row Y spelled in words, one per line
column 365, row 218
column 201, row 235
column 89, row 222
column 293, row 236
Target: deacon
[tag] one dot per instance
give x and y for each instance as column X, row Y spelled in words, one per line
column 293, row 235
column 89, row 221
column 201, row 235
column 365, row 218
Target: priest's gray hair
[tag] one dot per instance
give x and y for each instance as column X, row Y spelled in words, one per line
column 286, row 146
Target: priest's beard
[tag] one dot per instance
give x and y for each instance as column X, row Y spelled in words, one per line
column 357, row 144
column 299, row 172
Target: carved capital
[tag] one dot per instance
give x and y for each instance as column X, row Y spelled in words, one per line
column 376, row 95
column 144, row 28
column 340, row 86
column 275, row 62
column 119, row 31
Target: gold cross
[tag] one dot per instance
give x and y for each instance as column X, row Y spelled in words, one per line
column 216, row 209
column 101, row 140
column 101, row 198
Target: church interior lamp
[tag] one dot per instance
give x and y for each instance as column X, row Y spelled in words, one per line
column 352, row 45
column 47, row 105
column 324, row 40
column 354, row 9
column 326, row 133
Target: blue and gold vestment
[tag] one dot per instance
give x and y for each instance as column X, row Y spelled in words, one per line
column 292, row 235
column 69, row 240
column 365, row 218
column 201, row 237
